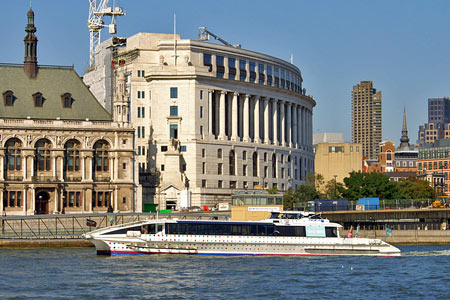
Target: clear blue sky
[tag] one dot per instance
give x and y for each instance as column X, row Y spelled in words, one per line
column 402, row 46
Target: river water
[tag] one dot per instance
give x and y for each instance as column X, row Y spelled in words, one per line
column 423, row 272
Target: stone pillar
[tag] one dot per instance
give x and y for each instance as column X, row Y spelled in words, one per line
column 245, row 118
column 33, row 200
column 116, row 166
column 62, row 168
column 83, row 167
column 111, row 166
column 257, row 137
column 210, row 113
column 275, row 122
column 116, row 202
column 54, row 158
column 59, row 199
column 283, row 123
column 234, row 117
column 222, row 115
column 2, row 168
column 24, row 167
column 303, row 126
column 289, row 125
column 266, row 120
column 24, row 200
column 294, row 126
column 1, row 201
column 299, row 127
column 89, row 160
column 310, row 128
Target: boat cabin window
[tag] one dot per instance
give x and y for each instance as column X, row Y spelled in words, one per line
column 124, row 230
column 330, row 231
column 240, row 229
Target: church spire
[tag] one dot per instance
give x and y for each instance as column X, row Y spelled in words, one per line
column 404, row 140
column 30, row 40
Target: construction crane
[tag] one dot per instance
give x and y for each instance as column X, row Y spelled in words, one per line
column 97, row 11
column 204, row 35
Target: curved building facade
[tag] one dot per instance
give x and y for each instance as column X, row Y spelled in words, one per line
column 211, row 119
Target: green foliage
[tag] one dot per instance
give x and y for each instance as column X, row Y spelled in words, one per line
column 273, row 190
column 412, row 188
column 333, row 188
column 303, row 193
column 361, row 185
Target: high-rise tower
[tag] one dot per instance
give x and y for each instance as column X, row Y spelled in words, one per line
column 30, row 40
column 366, row 118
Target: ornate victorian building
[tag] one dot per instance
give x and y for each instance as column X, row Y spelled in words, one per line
column 60, row 150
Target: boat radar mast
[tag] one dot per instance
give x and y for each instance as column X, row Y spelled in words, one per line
column 98, row 9
column 204, row 35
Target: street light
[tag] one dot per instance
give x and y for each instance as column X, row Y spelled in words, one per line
column 335, row 195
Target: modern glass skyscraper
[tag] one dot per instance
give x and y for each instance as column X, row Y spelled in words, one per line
column 439, row 110
column 366, row 118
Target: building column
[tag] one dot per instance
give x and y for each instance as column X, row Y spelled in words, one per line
column 275, row 122
column 54, row 157
column 33, row 200
column 299, row 126
column 234, row 117
column 303, row 125
column 111, row 166
column 283, row 123
column 222, row 115
column 288, row 124
column 2, row 169
column 62, row 168
column 83, row 167
column 89, row 160
column 24, row 167
column 294, row 126
column 256, row 131
column 310, row 128
column 245, row 118
column 1, row 201
column 59, row 199
column 116, row 166
column 24, row 200
column 266, row 120
column 210, row 114
column 116, row 202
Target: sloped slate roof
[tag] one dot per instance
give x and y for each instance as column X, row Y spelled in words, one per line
column 52, row 82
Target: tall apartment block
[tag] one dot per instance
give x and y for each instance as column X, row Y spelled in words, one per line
column 366, row 118
column 438, row 126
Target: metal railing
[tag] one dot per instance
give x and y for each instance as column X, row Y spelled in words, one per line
column 74, row 225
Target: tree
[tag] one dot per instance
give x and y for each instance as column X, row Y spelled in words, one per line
column 413, row 188
column 332, row 189
column 360, row 185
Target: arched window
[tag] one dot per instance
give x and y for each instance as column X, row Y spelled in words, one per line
column 42, row 153
column 101, row 160
column 67, row 100
column 8, row 98
column 219, row 153
column 72, row 156
column 38, row 99
column 13, row 155
column 255, row 163
column 232, row 160
column 274, row 166
column 389, row 155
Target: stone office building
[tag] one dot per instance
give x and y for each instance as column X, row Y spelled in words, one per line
column 209, row 118
column 60, row 150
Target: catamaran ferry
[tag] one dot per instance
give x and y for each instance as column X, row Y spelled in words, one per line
column 284, row 233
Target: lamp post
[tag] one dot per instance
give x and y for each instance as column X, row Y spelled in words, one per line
column 335, row 195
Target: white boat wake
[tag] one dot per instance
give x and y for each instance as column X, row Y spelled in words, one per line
column 427, row 253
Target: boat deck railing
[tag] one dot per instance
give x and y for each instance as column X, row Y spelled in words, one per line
column 72, row 226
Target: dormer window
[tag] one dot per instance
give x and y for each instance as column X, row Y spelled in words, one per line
column 67, row 100
column 38, row 99
column 8, row 98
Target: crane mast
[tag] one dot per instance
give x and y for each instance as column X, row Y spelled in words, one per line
column 204, row 35
column 97, row 11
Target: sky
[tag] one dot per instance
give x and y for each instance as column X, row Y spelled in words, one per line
column 402, row 46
